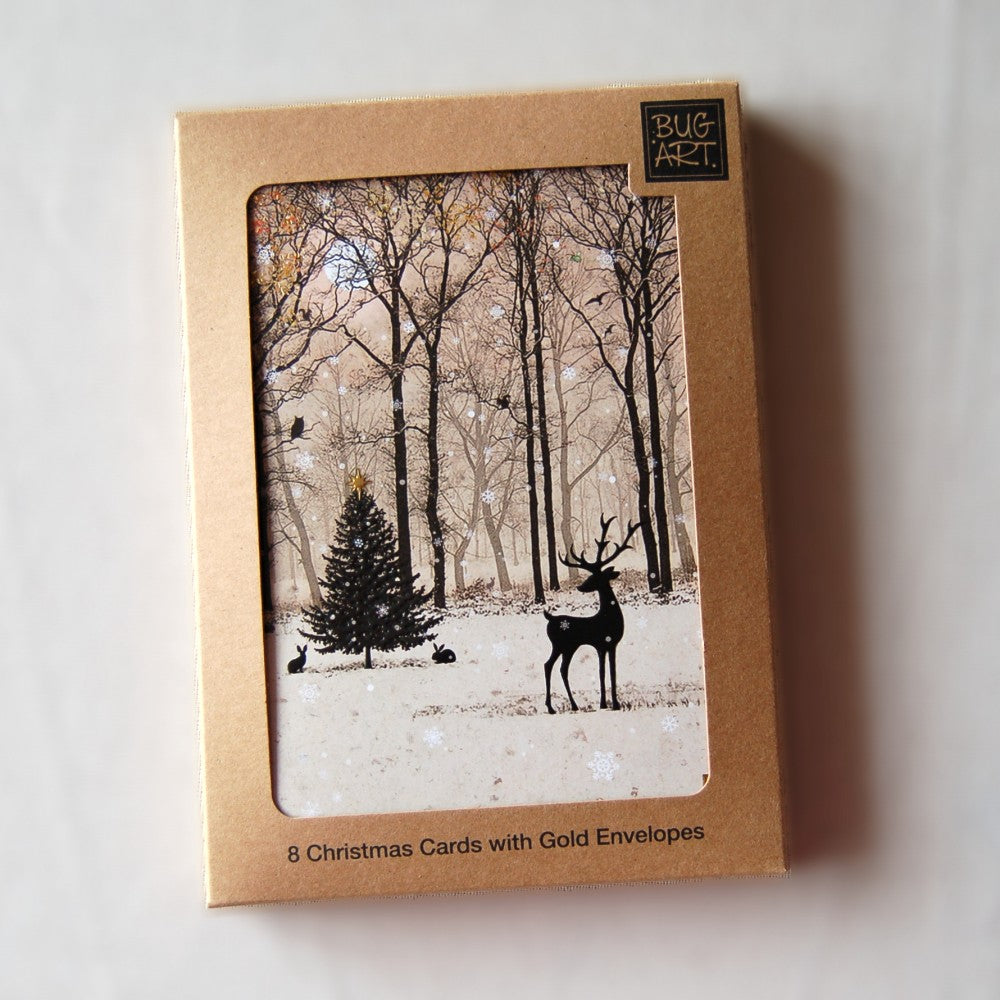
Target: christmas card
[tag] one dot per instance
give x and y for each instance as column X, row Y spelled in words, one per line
column 482, row 573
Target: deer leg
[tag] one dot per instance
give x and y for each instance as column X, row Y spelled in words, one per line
column 564, row 670
column 614, row 679
column 548, row 682
column 600, row 660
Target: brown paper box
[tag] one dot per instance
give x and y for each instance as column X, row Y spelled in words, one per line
column 733, row 826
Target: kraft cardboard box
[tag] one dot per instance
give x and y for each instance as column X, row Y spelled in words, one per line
column 482, row 574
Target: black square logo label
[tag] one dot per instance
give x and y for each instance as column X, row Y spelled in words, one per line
column 684, row 140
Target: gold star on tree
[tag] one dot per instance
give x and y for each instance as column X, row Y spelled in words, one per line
column 358, row 482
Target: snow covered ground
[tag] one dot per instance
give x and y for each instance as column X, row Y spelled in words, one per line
column 411, row 734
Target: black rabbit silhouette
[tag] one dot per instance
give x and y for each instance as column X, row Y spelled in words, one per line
column 442, row 654
column 296, row 665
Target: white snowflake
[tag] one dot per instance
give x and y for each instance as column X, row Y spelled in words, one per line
column 297, row 491
column 381, row 610
column 359, row 542
column 370, row 687
column 623, row 352
column 341, row 465
column 679, row 518
column 606, row 260
column 305, row 460
column 642, row 623
column 501, row 650
column 397, row 404
column 603, row 765
column 433, row 737
column 497, row 311
column 670, row 724
column 555, row 244
column 437, row 541
column 488, row 496
column 612, row 480
column 490, row 214
column 341, row 390
column 270, row 376
column 264, row 255
column 335, row 360
column 456, row 341
column 408, row 326
column 464, row 563
column 569, row 373
column 564, row 624
column 309, row 693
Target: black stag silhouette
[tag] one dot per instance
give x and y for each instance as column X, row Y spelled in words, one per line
column 603, row 631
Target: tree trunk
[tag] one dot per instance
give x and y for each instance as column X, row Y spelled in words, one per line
column 543, row 430
column 305, row 546
column 655, row 436
column 368, row 657
column 399, row 459
column 685, row 550
column 434, row 525
column 538, row 592
column 496, row 542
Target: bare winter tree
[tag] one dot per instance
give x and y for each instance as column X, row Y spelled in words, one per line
column 632, row 240
column 377, row 234
column 521, row 207
column 482, row 425
column 460, row 241
column 295, row 316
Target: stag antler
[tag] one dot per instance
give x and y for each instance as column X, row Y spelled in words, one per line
column 592, row 566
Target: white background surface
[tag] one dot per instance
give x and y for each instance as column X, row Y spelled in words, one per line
column 875, row 140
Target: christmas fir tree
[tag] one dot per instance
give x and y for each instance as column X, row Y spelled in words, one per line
column 366, row 602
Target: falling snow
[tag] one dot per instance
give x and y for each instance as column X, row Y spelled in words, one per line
column 606, row 260
column 670, row 724
column 603, row 766
column 488, row 496
column 569, row 373
column 497, row 311
column 501, row 650
column 433, row 737
column 408, row 326
column 309, row 693
column 305, row 460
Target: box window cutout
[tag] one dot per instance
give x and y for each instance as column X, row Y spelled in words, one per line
column 475, row 487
